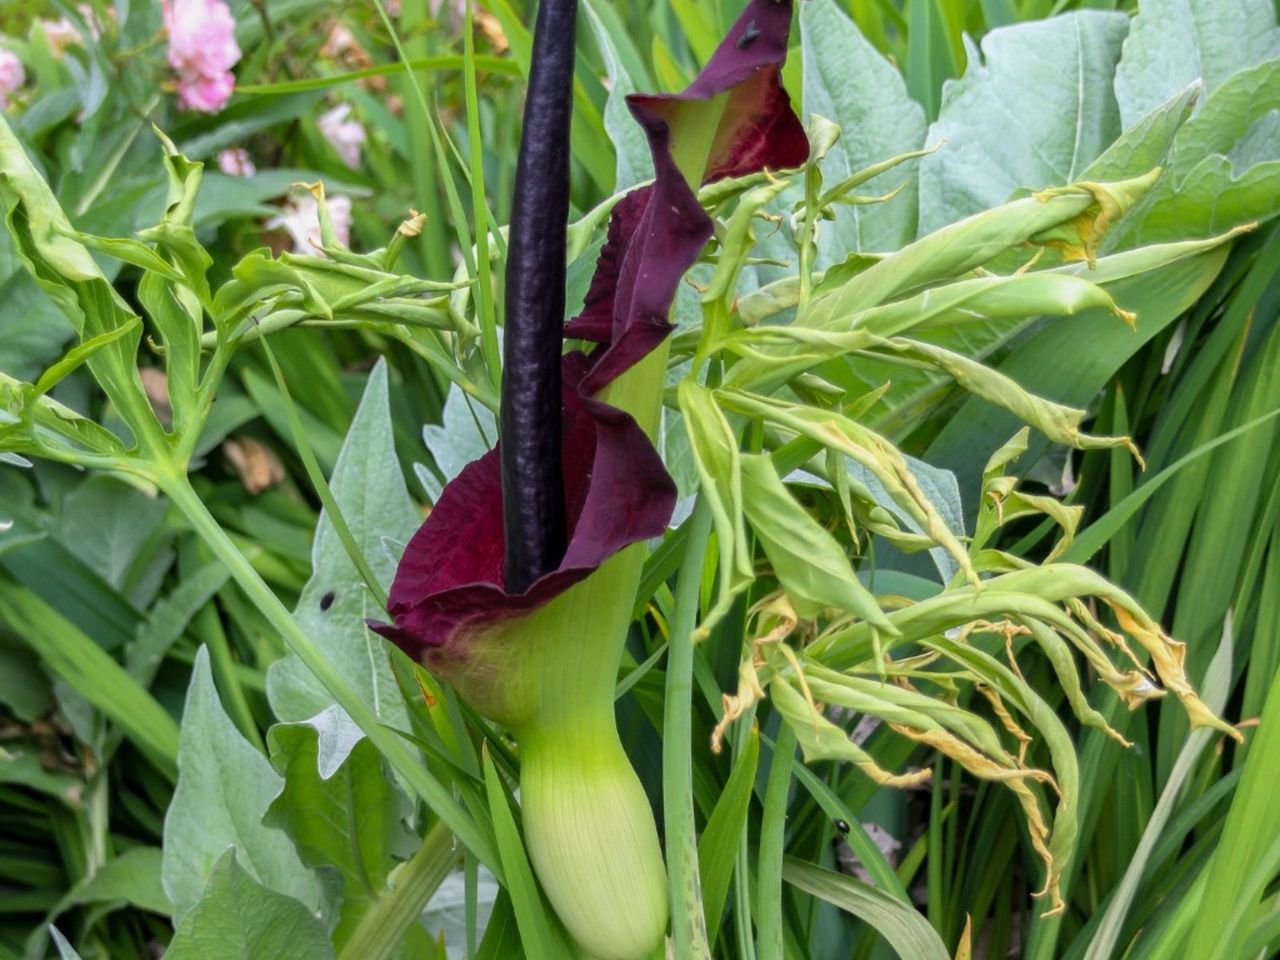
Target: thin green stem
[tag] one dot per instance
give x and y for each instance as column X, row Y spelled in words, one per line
column 742, row 876
column 381, row 929
column 773, row 835
column 479, row 205
column 688, row 925
column 403, row 760
column 321, row 485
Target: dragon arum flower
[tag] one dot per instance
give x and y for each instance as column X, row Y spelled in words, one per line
column 540, row 653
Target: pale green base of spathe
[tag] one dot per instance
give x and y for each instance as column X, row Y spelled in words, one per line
column 592, row 840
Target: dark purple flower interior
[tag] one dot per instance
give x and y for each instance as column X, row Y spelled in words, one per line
column 617, row 491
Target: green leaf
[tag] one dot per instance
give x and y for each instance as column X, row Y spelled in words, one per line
column 92, row 673
column 71, row 278
column 350, row 819
column 467, row 431
column 635, row 165
column 65, row 950
column 539, row 933
column 1096, row 344
column 1175, row 43
column 237, row 917
column 1223, row 169
column 368, row 486
column 902, row 927
column 807, row 560
column 1033, row 110
column 133, row 878
column 929, row 56
column 1215, row 689
column 224, row 789
column 1249, row 834
column 1145, row 145
column 715, row 451
column 107, row 523
column 847, row 81
column 718, row 845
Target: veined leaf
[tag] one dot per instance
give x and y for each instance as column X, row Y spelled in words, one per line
column 1175, row 43
column 850, row 83
column 1224, row 167
column 1033, row 110
column 238, row 917
column 368, row 485
column 350, row 819
column 224, row 789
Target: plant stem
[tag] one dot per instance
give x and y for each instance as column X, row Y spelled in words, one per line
column 773, row 834
column 402, row 759
column 688, row 925
column 381, row 929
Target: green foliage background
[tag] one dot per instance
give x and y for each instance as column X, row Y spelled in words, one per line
column 139, row 684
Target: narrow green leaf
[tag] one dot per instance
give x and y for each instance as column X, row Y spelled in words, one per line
column 718, row 845
column 538, row 931
column 902, row 927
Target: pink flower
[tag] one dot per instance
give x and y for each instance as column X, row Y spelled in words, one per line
column 12, row 75
column 347, row 136
column 235, row 162
column 202, row 50
column 61, row 33
column 300, row 218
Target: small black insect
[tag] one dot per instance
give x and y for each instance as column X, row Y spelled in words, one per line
column 749, row 36
column 327, row 600
column 843, row 827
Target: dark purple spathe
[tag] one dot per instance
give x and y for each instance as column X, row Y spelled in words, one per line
column 450, row 581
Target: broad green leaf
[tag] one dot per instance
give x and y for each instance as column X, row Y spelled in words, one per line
column 903, row 927
column 1144, row 145
column 807, row 560
column 350, row 819
column 107, row 523
column 1223, row 169
column 847, row 81
column 236, row 917
column 369, row 488
column 467, row 431
column 1033, row 110
column 1175, row 43
column 224, row 789
column 635, row 165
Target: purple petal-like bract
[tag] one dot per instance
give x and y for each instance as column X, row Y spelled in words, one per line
column 450, row 582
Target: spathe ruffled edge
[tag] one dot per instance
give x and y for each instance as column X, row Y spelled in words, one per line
column 617, row 491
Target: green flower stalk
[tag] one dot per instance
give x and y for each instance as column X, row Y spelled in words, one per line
column 528, row 623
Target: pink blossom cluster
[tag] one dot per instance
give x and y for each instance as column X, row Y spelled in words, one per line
column 12, row 75
column 202, row 50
